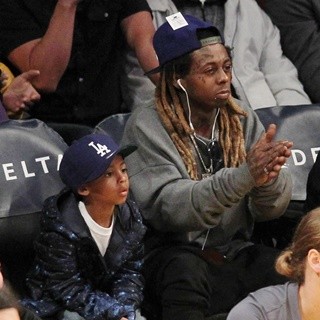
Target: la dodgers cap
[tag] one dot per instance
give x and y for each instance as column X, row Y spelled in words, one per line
column 87, row 158
column 179, row 36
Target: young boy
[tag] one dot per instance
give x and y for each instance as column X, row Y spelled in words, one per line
column 90, row 250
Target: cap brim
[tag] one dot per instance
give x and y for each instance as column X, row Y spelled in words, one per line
column 153, row 71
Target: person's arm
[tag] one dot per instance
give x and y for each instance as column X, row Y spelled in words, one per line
column 129, row 283
column 280, row 73
column 269, row 197
column 139, row 30
column 262, row 75
column 49, row 54
column 298, row 22
column 272, row 193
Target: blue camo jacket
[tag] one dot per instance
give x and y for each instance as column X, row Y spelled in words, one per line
column 69, row 272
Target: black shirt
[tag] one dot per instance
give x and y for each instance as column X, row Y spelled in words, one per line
column 90, row 88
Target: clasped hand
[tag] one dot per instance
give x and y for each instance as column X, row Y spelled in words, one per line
column 267, row 156
column 20, row 93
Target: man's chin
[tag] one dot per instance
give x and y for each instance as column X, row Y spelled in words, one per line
column 219, row 103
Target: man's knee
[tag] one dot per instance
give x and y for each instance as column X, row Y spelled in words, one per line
column 186, row 266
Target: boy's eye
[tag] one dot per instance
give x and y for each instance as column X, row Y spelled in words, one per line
column 108, row 174
column 227, row 68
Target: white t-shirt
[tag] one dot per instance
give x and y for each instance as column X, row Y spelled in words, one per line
column 100, row 234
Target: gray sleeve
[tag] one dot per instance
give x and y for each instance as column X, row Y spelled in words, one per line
column 269, row 201
column 280, row 73
column 298, row 22
column 262, row 75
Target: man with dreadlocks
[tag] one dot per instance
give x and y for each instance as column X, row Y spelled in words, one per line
column 205, row 170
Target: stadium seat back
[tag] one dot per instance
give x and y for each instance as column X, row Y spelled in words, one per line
column 299, row 124
column 30, row 156
column 113, row 126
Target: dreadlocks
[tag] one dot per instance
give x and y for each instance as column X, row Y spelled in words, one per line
column 173, row 117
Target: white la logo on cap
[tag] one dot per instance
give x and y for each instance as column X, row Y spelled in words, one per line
column 101, row 149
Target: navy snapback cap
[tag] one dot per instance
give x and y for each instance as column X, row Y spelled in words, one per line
column 88, row 158
column 172, row 40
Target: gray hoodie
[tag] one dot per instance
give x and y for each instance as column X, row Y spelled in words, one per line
column 217, row 212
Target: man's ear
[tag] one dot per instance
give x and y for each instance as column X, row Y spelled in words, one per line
column 314, row 260
column 83, row 190
column 176, row 81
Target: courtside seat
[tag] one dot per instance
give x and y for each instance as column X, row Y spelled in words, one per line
column 70, row 131
column 299, row 124
column 30, row 153
column 113, row 126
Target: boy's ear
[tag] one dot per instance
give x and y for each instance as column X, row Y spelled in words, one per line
column 83, row 190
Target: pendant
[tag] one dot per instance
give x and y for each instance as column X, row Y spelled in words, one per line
column 206, row 175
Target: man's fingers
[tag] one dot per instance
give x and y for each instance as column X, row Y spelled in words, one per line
column 271, row 132
column 35, row 96
column 30, row 75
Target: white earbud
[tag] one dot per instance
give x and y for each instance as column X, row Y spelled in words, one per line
column 188, row 103
column 181, row 86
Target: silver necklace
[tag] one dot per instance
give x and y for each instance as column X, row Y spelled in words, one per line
column 208, row 170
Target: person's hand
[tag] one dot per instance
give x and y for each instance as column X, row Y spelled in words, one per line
column 20, row 94
column 266, row 157
column 123, row 318
column 3, row 77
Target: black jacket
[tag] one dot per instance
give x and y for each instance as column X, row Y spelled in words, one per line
column 70, row 273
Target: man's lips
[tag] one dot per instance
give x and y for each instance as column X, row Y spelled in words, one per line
column 223, row 94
